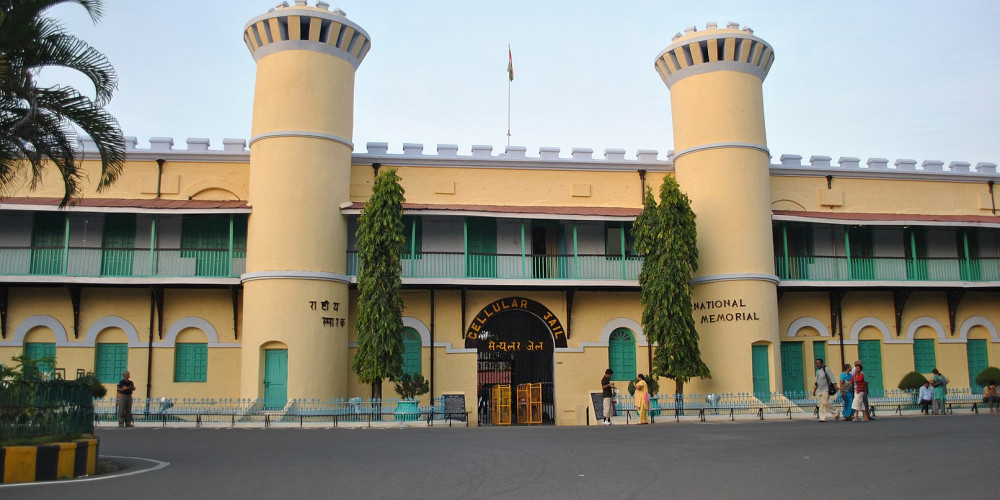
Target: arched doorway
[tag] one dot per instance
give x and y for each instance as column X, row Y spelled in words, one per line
column 515, row 339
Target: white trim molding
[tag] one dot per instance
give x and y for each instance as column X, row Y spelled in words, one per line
column 874, row 322
column 35, row 321
column 807, row 321
column 303, row 134
column 971, row 321
column 421, row 328
column 721, row 145
column 611, row 326
column 933, row 324
column 713, row 278
column 111, row 322
column 295, row 275
column 211, row 335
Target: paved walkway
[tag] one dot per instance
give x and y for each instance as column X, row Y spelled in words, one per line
column 948, row 457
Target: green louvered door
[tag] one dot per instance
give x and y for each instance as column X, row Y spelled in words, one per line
column 761, row 375
column 978, row 361
column 481, row 260
column 117, row 246
column 792, row 380
column 48, row 237
column 870, row 354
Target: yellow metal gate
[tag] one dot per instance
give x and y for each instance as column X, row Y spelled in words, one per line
column 501, row 404
column 529, row 403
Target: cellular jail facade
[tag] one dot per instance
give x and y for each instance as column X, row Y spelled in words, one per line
column 230, row 272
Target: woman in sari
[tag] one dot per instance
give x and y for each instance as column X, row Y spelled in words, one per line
column 642, row 399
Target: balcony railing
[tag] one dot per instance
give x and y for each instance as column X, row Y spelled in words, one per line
column 122, row 262
column 514, row 266
column 825, row 268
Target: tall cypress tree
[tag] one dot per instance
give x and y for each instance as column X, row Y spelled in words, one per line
column 666, row 235
column 380, row 308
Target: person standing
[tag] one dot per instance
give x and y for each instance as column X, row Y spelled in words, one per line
column 821, row 389
column 991, row 397
column 642, row 399
column 608, row 393
column 860, row 391
column 847, row 392
column 926, row 395
column 940, row 384
column 125, row 389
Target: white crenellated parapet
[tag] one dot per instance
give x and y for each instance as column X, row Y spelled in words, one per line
column 551, row 153
column 901, row 165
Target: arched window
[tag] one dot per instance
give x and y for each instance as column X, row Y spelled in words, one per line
column 411, row 351
column 621, row 354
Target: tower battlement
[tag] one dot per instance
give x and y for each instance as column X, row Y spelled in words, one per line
column 301, row 27
column 716, row 49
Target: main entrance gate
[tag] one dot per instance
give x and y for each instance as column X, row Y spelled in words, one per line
column 515, row 339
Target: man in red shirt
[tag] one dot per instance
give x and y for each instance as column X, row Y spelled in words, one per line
column 860, row 391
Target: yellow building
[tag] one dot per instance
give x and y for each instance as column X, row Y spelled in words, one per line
column 224, row 273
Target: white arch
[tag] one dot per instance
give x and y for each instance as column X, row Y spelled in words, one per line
column 631, row 324
column 40, row 320
column 170, row 338
column 870, row 321
column 934, row 324
column 971, row 321
column 806, row 321
column 112, row 322
column 420, row 327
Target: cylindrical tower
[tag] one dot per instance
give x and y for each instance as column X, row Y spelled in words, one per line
column 295, row 290
column 721, row 161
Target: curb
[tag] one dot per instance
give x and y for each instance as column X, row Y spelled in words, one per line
column 47, row 462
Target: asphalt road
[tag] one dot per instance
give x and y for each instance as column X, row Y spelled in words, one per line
column 946, row 457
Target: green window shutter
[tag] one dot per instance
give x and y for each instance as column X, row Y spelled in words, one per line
column 923, row 355
column 118, row 245
column 411, row 351
column 48, row 236
column 976, row 352
column 621, row 354
column 819, row 351
column 240, row 236
column 413, row 229
column 870, row 354
column 190, row 362
column 39, row 351
column 111, row 360
column 205, row 238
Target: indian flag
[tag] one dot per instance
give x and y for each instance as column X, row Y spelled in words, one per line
column 510, row 64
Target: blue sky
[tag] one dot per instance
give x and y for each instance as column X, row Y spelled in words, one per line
column 914, row 79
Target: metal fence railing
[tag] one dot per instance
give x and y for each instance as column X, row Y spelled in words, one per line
column 843, row 268
column 33, row 409
column 514, row 266
column 244, row 411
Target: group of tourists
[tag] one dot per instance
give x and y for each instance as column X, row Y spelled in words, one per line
column 853, row 388
column 851, row 384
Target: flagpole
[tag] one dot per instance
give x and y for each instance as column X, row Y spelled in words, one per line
column 509, row 79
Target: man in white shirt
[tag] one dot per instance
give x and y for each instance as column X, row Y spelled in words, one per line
column 926, row 396
column 823, row 380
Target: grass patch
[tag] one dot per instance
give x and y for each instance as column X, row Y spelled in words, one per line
column 56, row 438
column 106, row 467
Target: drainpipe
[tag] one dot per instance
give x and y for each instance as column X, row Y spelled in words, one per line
column 642, row 185
column 993, row 200
column 432, row 347
column 149, row 357
column 159, row 175
column 375, row 167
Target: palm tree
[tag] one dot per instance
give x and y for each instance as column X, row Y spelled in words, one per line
column 39, row 124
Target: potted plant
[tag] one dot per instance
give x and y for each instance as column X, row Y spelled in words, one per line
column 911, row 383
column 409, row 387
column 654, row 388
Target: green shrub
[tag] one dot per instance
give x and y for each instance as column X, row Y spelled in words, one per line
column 912, row 381
column 651, row 384
column 96, row 387
column 409, row 387
column 988, row 375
